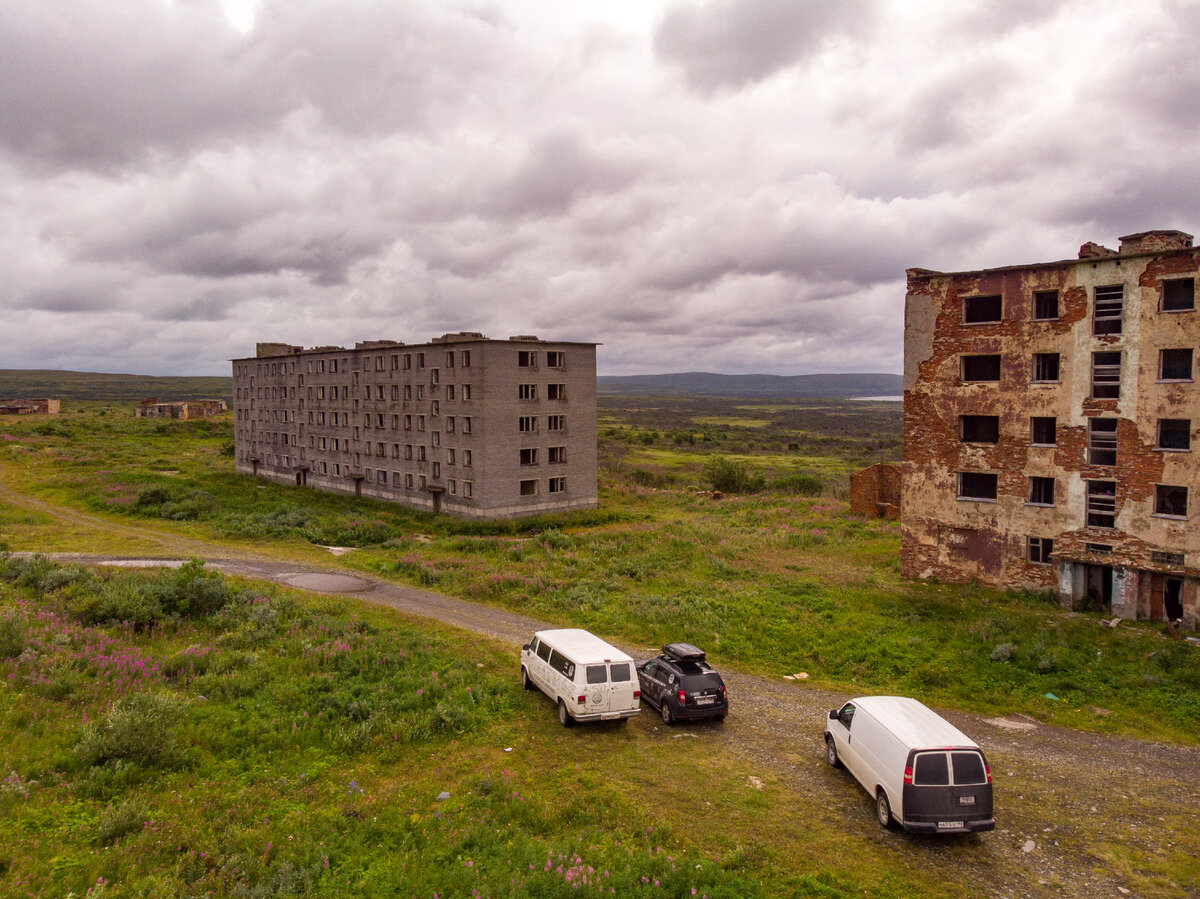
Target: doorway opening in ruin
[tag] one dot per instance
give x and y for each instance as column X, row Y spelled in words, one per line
column 1173, row 598
column 302, row 479
column 1097, row 588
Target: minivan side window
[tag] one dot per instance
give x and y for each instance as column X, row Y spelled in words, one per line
column 597, row 674
column 619, row 672
column 543, row 652
column 968, row 768
column 931, row 769
column 561, row 663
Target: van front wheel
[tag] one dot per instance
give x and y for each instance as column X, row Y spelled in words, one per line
column 831, row 752
column 525, row 681
column 564, row 717
column 883, row 810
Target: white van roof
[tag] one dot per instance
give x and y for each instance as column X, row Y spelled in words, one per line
column 582, row 647
column 913, row 723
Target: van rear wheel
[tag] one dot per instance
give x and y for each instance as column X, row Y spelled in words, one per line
column 831, row 754
column 883, row 810
column 564, row 717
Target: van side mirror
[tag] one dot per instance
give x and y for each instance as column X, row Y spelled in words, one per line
column 833, row 714
column 525, row 648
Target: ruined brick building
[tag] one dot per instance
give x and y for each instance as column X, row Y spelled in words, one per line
column 1049, row 421
column 466, row 425
column 183, row 409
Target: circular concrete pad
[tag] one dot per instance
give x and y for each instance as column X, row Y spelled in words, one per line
column 328, row 583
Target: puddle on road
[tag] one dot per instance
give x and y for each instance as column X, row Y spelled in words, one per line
column 328, row 583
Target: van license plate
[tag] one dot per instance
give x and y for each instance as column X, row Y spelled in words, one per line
column 966, row 800
column 609, row 716
column 950, row 825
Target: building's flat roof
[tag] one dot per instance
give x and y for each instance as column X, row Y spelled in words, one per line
column 400, row 346
column 1116, row 257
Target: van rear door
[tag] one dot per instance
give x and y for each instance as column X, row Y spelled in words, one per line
column 609, row 687
column 947, row 790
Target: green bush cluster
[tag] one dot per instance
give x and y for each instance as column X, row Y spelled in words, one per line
column 730, row 476
column 799, row 484
column 12, row 634
column 139, row 729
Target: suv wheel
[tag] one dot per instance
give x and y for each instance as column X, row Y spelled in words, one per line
column 665, row 710
column 564, row 717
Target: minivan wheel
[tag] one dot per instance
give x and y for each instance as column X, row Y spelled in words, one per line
column 665, row 710
column 564, row 717
column 525, row 681
column 883, row 809
column 831, row 752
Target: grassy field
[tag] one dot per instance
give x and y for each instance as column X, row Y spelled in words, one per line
column 309, row 739
column 268, row 744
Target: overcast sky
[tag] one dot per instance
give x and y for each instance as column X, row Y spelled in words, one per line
column 731, row 185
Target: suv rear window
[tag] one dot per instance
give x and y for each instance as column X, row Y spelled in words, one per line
column 968, row 768
column 619, row 672
column 597, row 674
column 696, row 683
column 931, row 769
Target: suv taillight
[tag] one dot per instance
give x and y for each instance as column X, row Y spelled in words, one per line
column 682, row 697
column 723, row 693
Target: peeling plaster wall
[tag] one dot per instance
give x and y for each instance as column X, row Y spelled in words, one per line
column 956, row 540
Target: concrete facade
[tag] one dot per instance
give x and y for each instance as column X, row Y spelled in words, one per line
column 183, row 409
column 30, row 407
column 1050, row 416
column 473, row 427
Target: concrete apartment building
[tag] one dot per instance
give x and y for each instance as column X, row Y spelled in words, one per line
column 473, row 427
column 1050, row 416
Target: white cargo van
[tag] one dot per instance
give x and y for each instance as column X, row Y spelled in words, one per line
column 925, row 774
column 589, row 679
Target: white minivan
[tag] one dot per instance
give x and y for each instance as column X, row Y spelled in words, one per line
column 589, row 679
column 925, row 774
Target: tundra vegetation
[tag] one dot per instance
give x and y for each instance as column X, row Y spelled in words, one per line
column 301, row 743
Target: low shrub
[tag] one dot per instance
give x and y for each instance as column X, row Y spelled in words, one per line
column 140, row 728
column 12, row 634
column 799, row 484
column 728, row 476
column 120, row 820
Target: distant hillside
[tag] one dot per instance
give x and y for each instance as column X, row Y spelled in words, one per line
column 698, row 383
column 18, row 384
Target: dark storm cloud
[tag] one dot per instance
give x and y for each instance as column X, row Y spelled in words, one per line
column 728, row 44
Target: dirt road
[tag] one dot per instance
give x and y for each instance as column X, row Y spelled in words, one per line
column 1078, row 814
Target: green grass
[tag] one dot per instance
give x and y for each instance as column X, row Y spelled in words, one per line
column 289, row 746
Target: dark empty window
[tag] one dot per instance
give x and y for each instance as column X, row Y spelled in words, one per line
column 529, row 457
column 1179, row 294
column 1176, row 365
column 980, row 428
column 981, row 309
column 1106, row 375
column 1045, row 304
column 1175, row 433
column 1166, row 557
column 1040, row 549
column 1170, row 500
column 976, row 485
column 1106, row 316
column 1102, row 441
column 529, row 488
column 1101, row 503
column 1045, row 366
column 1044, row 430
column 1041, row 491
column 981, row 368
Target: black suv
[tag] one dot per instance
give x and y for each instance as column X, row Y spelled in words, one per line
column 680, row 684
